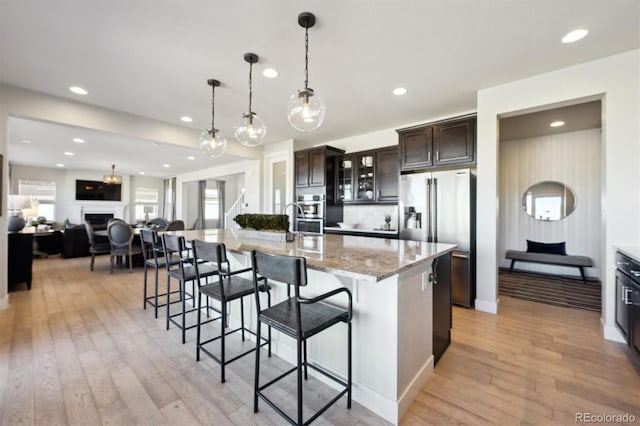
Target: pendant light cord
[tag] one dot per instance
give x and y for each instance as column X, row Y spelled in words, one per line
column 306, row 57
column 213, row 109
column 250, row 85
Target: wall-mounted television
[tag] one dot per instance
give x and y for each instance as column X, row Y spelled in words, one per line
column 93, row 190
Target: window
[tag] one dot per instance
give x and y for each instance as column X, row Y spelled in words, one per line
column 43, row 196
column 212, row 204
column 146, row 203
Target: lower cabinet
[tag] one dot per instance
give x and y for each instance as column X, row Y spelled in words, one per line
column 442, row 314
column 20, row 258
column 628, row 300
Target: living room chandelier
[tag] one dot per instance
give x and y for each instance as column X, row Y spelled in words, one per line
column 212, row 141
column 113, row 178
column 305, row 109
column 250, row 131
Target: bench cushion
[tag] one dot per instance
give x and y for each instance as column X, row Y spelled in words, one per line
column 552, row 259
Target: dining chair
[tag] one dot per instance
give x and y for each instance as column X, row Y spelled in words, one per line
column 94, row 247
column 121, row 239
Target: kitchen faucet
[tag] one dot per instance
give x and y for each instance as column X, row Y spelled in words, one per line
column 300, row 210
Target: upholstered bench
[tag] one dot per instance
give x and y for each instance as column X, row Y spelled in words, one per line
column 551, row 259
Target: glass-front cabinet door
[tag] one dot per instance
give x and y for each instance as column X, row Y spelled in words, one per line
column 345, row 184
column 365, row 175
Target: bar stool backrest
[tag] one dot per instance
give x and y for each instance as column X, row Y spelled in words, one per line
column 174, row 245
column 210, row 252
column 285, row 269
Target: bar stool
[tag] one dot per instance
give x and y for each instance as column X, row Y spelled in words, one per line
column 228, row 288
column 299, row 318
column 154, row 257
column 174, row 245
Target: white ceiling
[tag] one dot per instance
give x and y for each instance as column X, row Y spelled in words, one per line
column 153, row 58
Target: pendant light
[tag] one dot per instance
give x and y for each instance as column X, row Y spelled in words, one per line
column 212, row 141
column 113, row 178
column 305, row 109
column 250, row 131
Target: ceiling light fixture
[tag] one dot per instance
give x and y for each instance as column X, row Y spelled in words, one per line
column 575, row 35
column 557, row 123
column 25, row 141
column 250, row 131
column 212, row 141
column 306, row 109
column 270, row 73
column 191, row 157
column 113, row 178
column 140, row 173
column 69, row 154
column 186, row 119
column 78, row 90
column 60, row 165
column 399, row 91
column 78, row 140
column 166, row 165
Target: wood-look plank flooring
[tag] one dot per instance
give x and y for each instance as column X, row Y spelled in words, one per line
column 79, row 349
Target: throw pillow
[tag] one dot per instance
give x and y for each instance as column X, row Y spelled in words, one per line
column 548, row 248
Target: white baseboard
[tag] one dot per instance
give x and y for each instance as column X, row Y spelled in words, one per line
column 487, row 306
column 611, row 332
column 409, row 394
column 4, row 302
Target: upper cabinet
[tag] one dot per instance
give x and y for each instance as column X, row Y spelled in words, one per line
column 368, row 177
column 436, row 145
column 312, row 166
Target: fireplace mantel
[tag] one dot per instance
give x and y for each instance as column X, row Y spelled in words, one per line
column 116, row 208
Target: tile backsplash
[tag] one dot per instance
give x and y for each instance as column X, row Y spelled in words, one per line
column 370, row 216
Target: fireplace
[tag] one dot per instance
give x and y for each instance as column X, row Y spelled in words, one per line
column 98, row 218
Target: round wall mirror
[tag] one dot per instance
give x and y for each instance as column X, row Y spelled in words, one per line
column 549, row 200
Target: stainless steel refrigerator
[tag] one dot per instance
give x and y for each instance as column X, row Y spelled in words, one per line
column 439, row 207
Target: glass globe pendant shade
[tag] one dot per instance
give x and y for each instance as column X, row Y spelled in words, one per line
column 213, row 143
column 305, row 110
column 250, row 131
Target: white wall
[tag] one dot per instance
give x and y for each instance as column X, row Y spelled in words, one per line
column 615, row 78
column 571, row 158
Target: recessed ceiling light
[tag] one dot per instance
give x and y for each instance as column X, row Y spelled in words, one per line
column 25, row 141
column 186, row 119
column 78, row 140
column 60, row 165
column 155, row 144
column 140, row 173
column 191, row 157
column 166, row 165
column 68, row 154
column 557, row 123
column 399, row 91
column 270, row 73
column 78, row 90
column 574, row 36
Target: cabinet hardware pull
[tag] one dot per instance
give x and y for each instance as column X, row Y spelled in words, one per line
column 437, row 156
column 625, row 297
column 429, row 157
column 622, row 263
column 635, row 273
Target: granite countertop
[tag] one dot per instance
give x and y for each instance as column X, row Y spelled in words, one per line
column 372, row 259
column 364, row 231
column 631, row 251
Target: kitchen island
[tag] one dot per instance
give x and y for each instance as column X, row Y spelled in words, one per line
column 392, row 304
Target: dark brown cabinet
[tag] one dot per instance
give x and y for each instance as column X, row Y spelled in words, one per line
column 311, row 166
column 387, row 175
column 368, row 177
column 20, row 258
column 438, row 145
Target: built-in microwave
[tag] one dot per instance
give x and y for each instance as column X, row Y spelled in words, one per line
column 312, row 206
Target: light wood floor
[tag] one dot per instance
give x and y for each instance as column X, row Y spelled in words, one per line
column 78, row 349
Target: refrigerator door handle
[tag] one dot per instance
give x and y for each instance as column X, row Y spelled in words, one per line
column 428, row 218
column 435, row 210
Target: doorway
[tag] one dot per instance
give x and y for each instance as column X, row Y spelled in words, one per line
column 561, row 145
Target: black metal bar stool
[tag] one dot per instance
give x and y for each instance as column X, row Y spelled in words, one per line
column 154, row 257
column 185, row 271
column 300, row 318
column 229, row 287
